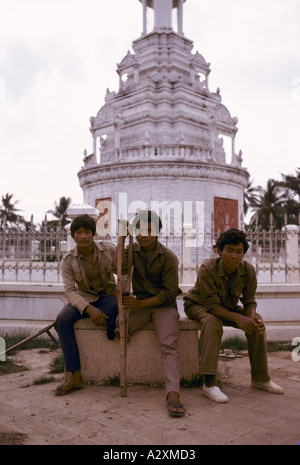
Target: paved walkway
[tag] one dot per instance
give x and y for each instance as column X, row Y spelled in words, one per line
column 32, row 415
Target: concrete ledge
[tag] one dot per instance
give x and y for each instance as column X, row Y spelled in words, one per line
column 32, row 305
column 100, row 358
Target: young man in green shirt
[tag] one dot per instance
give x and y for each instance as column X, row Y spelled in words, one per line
column 213, row 301
column 155, row 288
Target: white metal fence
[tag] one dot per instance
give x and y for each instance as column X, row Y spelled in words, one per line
column 34, row 255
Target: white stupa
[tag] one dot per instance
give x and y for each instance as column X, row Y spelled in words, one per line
column 158, row 142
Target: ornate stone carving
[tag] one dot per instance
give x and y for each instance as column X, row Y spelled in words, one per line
column 169, row 170
column 163, row 123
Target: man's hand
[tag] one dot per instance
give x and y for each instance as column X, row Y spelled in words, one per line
column 250, row 325
column 259, row 321
column 130, row 301
column 96, row 315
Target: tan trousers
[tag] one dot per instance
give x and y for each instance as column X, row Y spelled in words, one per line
column 166, row 325
column 210, row 344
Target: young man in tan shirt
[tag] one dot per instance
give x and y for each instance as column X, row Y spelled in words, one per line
column 90, row 288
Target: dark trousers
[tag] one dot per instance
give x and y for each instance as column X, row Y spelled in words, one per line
column 69, row 315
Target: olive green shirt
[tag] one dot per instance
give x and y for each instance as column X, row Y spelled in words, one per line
column 154, row 274
column 213, row 286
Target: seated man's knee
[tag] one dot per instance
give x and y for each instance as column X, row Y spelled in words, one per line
column 212, row 323
column 68, row 315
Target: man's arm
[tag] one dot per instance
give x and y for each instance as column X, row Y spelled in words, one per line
column 249, row 324
column 132, row 302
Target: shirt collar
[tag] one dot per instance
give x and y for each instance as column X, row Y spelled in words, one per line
column 97, row 248
column 158, row 249
column 221, row 272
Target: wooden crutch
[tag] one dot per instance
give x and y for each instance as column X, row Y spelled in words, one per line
column 33, row 336
column 123, row 321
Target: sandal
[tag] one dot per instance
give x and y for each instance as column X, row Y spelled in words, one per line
column 172, row 413
column 66, row 388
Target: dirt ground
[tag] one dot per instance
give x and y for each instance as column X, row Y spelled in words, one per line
column 30, row 414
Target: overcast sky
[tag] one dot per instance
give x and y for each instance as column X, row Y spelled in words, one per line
column 58, row 57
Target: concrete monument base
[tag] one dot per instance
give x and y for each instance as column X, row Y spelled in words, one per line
column 100, row 358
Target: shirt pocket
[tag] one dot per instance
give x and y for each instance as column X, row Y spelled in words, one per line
column 155, row 272
column 77, row 276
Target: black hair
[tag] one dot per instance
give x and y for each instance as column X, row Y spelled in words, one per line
column 85, row 221
column 232, row 236
column 148, row 216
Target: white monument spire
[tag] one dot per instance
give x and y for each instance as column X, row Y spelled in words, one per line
column 164, row 136
column 163, row 14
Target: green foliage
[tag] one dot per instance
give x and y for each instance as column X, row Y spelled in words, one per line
column 278, row 203
column 43, row 380
column 57, row 365
column 236, row 343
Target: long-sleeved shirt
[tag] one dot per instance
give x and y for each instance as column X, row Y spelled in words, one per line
column 81, row 285
column 213, row 286
column 154, row 274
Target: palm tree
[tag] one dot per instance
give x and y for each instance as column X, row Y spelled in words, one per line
column 271, row 202
column 60, row 212
column 292, row 184
column 8, row 212
column 251, row 197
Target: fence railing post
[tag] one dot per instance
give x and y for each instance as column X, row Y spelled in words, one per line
column 187, row 265
column 292, row 255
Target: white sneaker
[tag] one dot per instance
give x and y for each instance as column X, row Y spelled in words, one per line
column 269, row 386
column 214, row 393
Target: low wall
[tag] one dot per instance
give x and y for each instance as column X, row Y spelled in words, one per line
column 34, row 305
column 29, row 305
column 143, row 353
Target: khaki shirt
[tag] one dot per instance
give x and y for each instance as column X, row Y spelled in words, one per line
column 214, row 287
column 154, row 275
column 78, row 289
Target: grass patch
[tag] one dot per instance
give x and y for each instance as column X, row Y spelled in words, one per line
column 57, row 365
column 236, row 343
column 8, row 366
column 279, row 346
column 43, row 380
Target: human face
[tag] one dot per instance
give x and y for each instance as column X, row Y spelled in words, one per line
column 144, row 237
column 83, row 238
column 232, row 255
